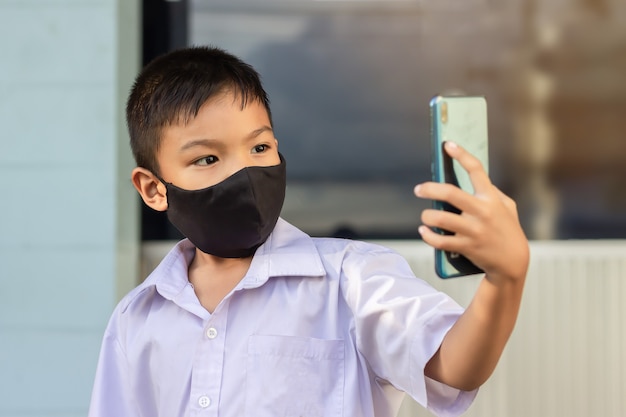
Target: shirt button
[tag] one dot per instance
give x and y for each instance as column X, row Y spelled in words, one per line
column 204, row 401
column 211, row 333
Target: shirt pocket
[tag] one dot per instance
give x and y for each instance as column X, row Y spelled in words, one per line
column 294, row 377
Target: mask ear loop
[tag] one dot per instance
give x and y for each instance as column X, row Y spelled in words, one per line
column 165, row 183
column 161, row 180
column 158, row 177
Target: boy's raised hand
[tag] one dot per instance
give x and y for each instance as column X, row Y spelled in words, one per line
column 489, row 234
column 487, row 231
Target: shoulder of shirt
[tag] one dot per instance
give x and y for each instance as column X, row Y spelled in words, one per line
column 149, row 286
column 355, row 247
column 140, row 291
column 291, row 252
column 146, row 289
column 356, row 259
column 299, row 243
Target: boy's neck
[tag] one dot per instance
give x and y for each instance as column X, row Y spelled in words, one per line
column 213, row 277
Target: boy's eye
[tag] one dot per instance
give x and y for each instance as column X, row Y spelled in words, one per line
column 207, row 160
column 259, row 148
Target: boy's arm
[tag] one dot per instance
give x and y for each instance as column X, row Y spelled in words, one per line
column 489, row 234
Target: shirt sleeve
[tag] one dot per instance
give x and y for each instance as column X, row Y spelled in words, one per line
column 400, row 322
column 111, row 395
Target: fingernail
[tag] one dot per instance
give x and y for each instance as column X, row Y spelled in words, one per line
column 417, row 188
column 421, row 229
column 451, row 145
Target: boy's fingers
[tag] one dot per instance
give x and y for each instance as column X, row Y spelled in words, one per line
column 434, row 239
column 447, row 221
column 445, row 192
column 473, row 166
column 444, row 242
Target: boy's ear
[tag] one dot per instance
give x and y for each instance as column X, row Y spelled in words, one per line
column 151, row 189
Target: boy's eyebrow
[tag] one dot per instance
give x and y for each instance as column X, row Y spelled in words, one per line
column 258, row 131
column 200, row 142
column 214, row 143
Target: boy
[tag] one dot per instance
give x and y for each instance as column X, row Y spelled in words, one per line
column 250, row 316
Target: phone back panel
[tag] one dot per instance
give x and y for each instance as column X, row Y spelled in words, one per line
column 461, row 119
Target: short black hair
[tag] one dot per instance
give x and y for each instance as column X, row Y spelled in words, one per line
column 172, row 88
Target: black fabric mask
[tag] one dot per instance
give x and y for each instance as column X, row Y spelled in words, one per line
column 233, row 218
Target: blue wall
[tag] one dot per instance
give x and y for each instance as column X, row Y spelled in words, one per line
column 68, row 213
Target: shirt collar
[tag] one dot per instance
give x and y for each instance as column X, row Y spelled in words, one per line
column 287, row 252
column 171, row 276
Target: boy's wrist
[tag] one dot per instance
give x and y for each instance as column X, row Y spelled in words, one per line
column 506, row 281
column 504, row 291
column 514, row 272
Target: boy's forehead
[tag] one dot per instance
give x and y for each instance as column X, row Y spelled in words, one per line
column 186, row 114
column 214, row 113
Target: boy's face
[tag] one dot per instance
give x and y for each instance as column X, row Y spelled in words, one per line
column 221, row 140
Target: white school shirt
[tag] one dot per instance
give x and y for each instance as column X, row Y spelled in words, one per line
column 316, row 328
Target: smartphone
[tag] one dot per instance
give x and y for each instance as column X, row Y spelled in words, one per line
column 461, row 119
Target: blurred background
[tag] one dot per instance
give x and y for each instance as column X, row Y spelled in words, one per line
column 349, row 82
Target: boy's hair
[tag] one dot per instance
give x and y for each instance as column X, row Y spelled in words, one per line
column 172, row 88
